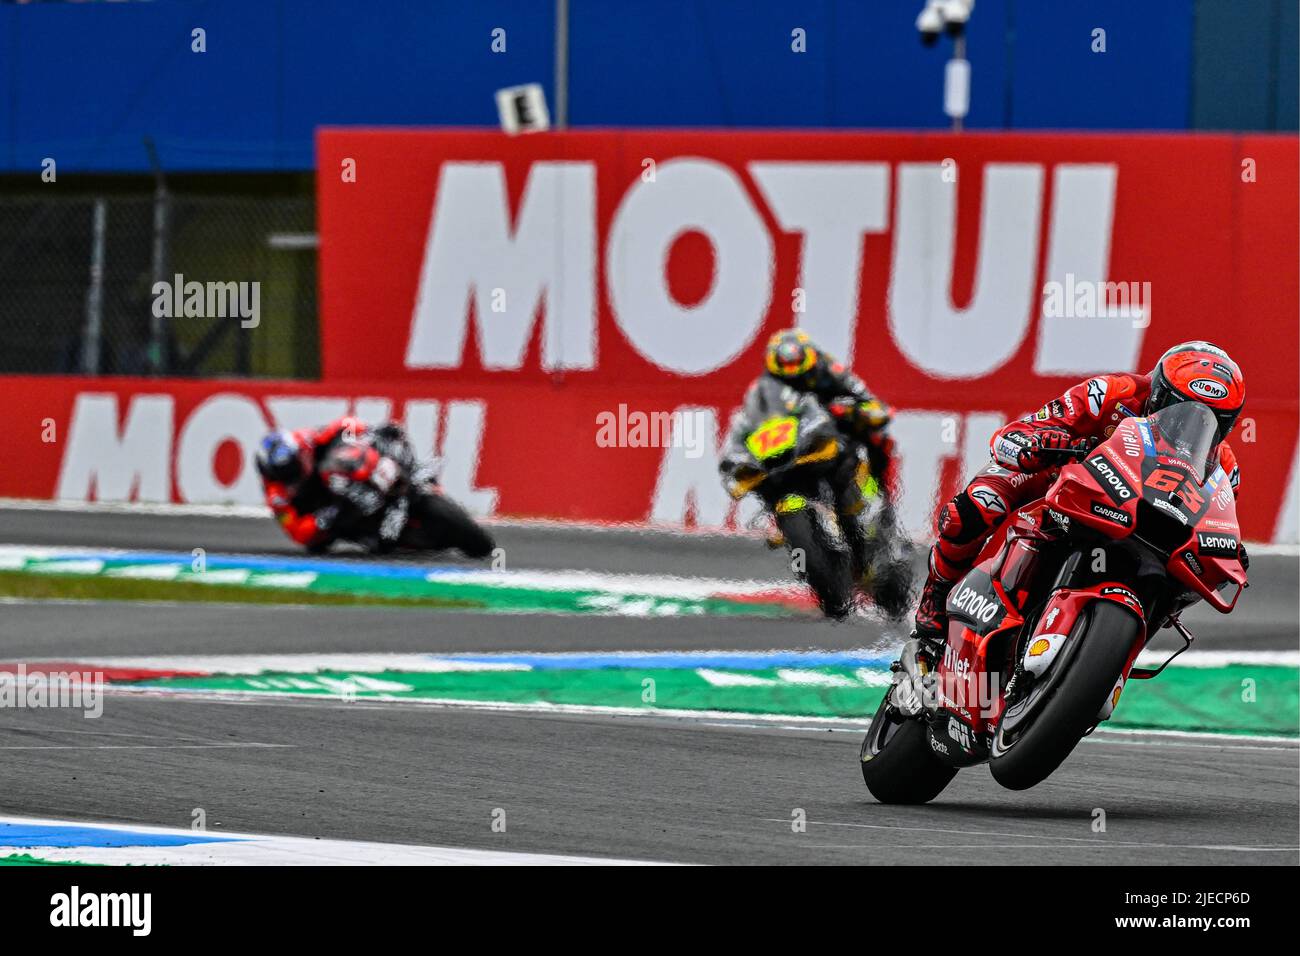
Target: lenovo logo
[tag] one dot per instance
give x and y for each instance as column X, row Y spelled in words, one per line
column 975, row 605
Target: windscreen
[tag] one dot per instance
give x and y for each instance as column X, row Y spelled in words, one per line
column 1188, row 431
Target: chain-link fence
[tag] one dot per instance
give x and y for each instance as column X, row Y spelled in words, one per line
column 163, row 285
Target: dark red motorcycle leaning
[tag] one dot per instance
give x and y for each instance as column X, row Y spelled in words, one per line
column 1044, row 631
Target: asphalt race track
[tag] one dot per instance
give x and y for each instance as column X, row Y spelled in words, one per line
column 642, row 788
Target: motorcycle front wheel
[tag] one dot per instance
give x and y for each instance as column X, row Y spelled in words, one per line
column 824, row 566
column 1030, row 756
column 447, row 525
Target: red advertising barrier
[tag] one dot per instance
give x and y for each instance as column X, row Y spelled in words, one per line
column 620, row 258
column 569, row 319
column 966, row 278
column 519, row 451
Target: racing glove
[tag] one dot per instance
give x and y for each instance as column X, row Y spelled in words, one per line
column 1036, row 450
column 865, row 416
column 327, row 517
column 392, row 525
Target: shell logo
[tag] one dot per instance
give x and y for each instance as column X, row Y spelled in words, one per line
column 1114, row 697
column 1039, row 646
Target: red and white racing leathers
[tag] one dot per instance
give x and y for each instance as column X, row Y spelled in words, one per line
column 303, row 508
column 1089, row 411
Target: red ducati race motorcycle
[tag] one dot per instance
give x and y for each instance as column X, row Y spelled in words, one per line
column 1044, row 630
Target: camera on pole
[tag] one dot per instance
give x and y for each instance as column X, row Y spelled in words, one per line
column 951, row 17
column 943, row 16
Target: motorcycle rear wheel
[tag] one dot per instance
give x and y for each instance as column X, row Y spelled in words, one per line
column 1074, row 703
column 897, row 765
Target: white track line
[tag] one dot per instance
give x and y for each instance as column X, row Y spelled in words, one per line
column 702, row 717
column 249, row 849
column 1072, row 843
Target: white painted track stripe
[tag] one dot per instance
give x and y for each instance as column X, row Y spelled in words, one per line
column 431, row 663
column 641, row 585
column 725, row 717
column 270, row 850
column 301, row 663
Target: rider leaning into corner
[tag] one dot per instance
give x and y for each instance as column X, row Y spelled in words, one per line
column 297, row 490
column 793, row 359
column 1028, row 453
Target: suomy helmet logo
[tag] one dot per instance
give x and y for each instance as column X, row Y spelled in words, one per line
column 1208, row 388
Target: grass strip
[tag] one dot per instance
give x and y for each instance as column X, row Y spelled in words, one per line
column 75, row 587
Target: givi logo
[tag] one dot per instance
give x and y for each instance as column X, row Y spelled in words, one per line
column 504, row 273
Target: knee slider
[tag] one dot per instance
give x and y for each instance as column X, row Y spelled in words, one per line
column 963, row 521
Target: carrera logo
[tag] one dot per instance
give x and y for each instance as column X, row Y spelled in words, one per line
column 1192, row 562
column 975, row 605
column 1217, row 545
column 1114, row 486
column 1208, row 388
column 1111, row 514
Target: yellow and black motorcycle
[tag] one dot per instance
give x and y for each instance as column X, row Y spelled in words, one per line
column 833, row 516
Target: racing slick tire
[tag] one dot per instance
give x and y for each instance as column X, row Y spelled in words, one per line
column 1073, row 702
column 825, row 567
column 448, row 525
column 897, row 765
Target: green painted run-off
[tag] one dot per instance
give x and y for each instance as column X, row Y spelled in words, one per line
column 1237, row 699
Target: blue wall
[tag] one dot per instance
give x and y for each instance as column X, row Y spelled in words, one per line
column 725, row 62
column 85, row 83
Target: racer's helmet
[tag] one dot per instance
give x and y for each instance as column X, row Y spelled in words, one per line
column 1199, row 372
column 791, row 356
column 279, row 459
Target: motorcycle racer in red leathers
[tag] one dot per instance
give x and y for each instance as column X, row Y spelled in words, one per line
column 1027, row 454
column 349, row 481
column 295, row 490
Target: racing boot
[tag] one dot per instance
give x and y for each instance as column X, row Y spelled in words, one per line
column 914, row 683
column 931, row 631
